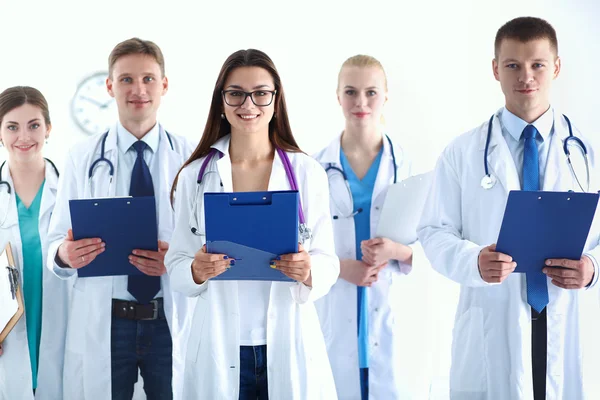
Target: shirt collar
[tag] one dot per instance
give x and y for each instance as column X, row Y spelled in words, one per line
column 515, row 125
column 222, row 145
column 126, row 139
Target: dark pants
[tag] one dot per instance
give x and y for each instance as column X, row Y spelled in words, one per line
column 539, row 347
column 364, row 383
column 145, row 345
column 253, row 373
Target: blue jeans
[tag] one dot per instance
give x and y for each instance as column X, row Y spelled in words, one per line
column 145, row 345
column 253, row 373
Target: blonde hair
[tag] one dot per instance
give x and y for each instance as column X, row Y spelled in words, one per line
column 362, row 61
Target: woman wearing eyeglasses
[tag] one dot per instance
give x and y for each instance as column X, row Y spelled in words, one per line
column 31, row 357
column 361, row 316
column 253, row 339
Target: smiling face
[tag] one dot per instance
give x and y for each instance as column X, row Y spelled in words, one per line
column 526, row 71
column 137, row 85
column 247, row 117
column 23, row 131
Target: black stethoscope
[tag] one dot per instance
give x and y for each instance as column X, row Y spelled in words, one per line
column 111, row 167
column 4, row 203
column 332, row 167
column 8, row 188
column 488, row 181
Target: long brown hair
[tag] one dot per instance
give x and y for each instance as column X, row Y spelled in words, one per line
column 280, row 132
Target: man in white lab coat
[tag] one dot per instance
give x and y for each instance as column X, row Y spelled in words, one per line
column 119, row 324
column 502, row 347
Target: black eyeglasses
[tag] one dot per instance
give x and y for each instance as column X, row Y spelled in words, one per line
column 260, row 98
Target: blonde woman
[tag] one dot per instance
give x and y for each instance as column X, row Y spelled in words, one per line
column 361, row 315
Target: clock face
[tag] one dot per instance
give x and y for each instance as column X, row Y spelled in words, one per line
column 92, row 108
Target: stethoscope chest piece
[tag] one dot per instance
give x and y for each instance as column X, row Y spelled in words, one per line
column 488, row 181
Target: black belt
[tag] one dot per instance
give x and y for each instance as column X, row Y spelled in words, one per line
column 539, row 352
column 139, row 312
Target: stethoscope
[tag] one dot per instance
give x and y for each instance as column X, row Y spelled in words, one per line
column 332, row 167
column 111, row 167
column 9, row 188
column 303, row 230
column 488, row 181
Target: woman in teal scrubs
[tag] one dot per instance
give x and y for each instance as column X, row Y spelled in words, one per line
column 31, row 356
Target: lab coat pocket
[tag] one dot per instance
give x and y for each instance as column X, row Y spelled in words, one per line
column 469, row 369
column 196, row 331
column 79, row 284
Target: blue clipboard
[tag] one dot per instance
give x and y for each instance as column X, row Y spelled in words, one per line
column 123, row 223
column 254, row 228
column 542, row 225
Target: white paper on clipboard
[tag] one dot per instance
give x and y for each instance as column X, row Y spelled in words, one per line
column 403, row 207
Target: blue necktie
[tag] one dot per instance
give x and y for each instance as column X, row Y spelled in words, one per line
column 537, row 284
column 142, row 287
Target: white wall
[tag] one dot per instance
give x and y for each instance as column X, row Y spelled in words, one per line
column 437, row 55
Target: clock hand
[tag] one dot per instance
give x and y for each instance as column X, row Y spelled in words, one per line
column 107, row 103
column 92, row 101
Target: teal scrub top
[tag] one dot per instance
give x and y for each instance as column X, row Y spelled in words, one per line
column 32, row 275
column 362, row 192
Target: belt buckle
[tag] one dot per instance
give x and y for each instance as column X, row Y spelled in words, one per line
column 154, row 312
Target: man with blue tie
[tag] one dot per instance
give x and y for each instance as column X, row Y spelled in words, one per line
column 515, row 336
column 119, row 325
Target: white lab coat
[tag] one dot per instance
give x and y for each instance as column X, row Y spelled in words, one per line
column 297, row 364
column 398, row 367
column 491, row 349
column 15, row 366
column 87, row 372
